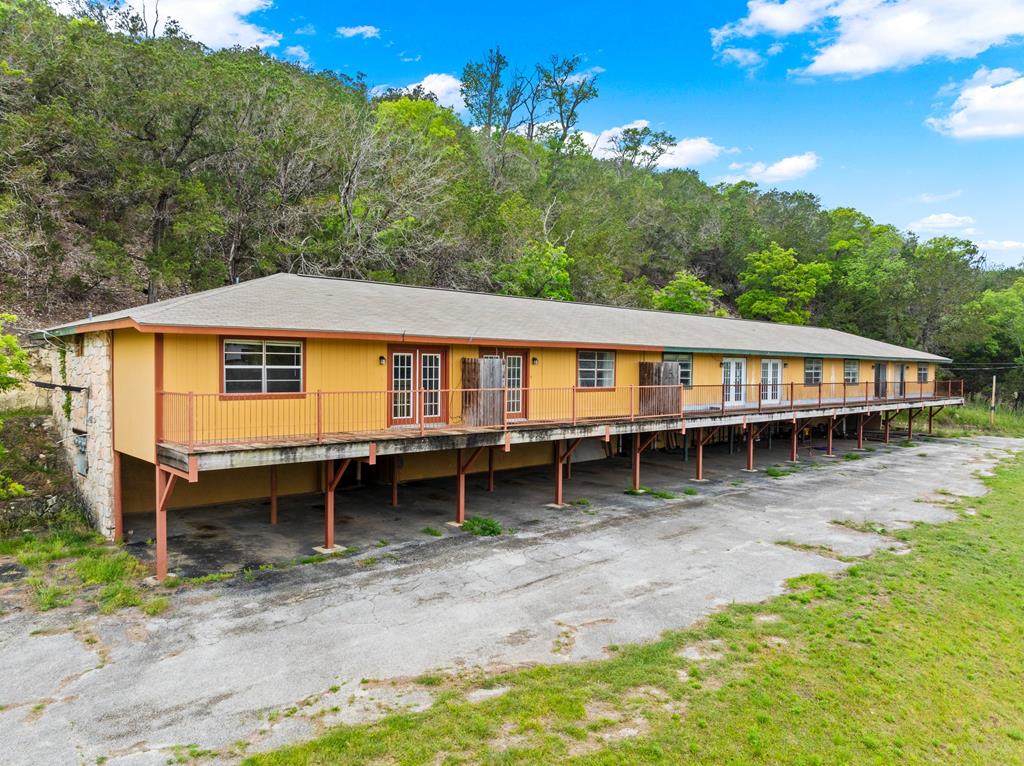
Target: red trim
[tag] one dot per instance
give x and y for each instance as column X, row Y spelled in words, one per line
column 442, row 394
column 267, row 395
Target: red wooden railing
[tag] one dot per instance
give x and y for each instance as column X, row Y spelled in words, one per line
column 195, row 420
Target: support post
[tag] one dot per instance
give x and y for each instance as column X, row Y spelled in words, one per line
column 750, row 447
column 559, row 483
column 273, row 494
column 932, row 412
column 333, row 478
column 636, row 461
column 490, row 469
column 164, row 486
column 860, row 431
column 831, row 427
column 700, row 454
column 463, row 466
column 793, row 436
column 911, row 414
column 394, row 481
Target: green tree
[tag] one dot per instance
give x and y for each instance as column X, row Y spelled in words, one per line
column 779, row 288
column 542, row 271
column 688, row 294
column 13, row 369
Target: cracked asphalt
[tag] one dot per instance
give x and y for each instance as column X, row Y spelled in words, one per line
column 220, row 666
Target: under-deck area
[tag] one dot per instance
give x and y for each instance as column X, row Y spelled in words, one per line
column 239, row 535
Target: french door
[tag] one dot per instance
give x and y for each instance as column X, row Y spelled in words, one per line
column 734, row 375
column 515, row 372
column 901, row 380
column 417, row 378
column 771, row 381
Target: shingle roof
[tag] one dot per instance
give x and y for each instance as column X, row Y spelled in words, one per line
column 318, row 304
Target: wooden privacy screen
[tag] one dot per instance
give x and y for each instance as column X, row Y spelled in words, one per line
column 655, row 400
column 481, row 407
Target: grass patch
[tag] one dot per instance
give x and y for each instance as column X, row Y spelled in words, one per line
column 853, row 456
column 974, row 419
column 777, row 471
column 432, row 532
column 690, row 491
column 49, row 596
column 156, row 605
column 664, row 494
column 481, row 526
column 902, row 659
column 580, row 501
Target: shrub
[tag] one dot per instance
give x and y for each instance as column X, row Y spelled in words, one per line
column 482, row 526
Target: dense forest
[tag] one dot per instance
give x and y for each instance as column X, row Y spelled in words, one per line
column 136, row 166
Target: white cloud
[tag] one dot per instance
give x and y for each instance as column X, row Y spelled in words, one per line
column 744, row 57
column 928, row 198
column 685, row 153
column 593, row 71
column 408, row 58
column 990, row 105
column 775, row 49
column 298, row 53
column 943, row 222
column 365, row 31
column 860, row 37
column 1000, row 245
column 220, row 24
column 786, row 169
column 448, row 90
column 306, row 29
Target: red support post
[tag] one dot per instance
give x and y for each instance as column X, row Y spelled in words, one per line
column 273, row 494
column 333, row 478
column 886, row 421
column 636, row 460
column 394, row 481
column 164, row 486
column 559, row 483
column 490, row 469
column 460, row 490
column 911, row 414
column 700, row 454
column 860, row 431
column 750, row 447
column 793, row 436
column 831, row 426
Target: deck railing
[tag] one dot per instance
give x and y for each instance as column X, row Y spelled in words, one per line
column 203, row 420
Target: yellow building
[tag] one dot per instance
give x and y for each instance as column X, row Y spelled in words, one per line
column 283, row 384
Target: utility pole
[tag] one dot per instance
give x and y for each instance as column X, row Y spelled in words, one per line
column 992, row 406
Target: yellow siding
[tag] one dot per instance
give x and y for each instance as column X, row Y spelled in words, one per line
column 427, row 465
column 138, row 488
column 134, row 402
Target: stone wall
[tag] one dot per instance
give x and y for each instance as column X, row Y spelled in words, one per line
column 88, row 414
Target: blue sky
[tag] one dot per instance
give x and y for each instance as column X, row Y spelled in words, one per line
column 910, row 110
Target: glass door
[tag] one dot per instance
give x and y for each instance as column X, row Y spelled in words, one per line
column 416, row 386
column 901, row 380
column 515, row 367
column 734, row 375
column 771, row 381
column 880, row 381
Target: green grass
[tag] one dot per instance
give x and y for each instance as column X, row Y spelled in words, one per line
column 432, row 532
column 663, row 494
column 690, row 491
column 777, row 472
column 853, row 456
column 156, row 605
column 903, row 659
column 974, row 419
column 482, row 526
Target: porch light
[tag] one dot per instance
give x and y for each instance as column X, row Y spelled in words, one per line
column 535, row 360
column 382, row 360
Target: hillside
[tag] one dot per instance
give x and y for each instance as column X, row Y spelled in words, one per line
column 135, row 167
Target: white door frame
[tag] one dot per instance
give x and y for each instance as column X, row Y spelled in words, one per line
column 734, row 387
column 771, row 389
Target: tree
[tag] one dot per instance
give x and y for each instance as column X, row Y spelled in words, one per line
column 542, row 271
column 688, row 294
column 567, row 88
column 640, row 147
column 13, row 368
column 779, row 288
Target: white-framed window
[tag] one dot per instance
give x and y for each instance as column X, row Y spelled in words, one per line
column 812, row 372
column 595, row 369
column 922, row 373
column 685, row 362
column 262, row 366
column 851, row 371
